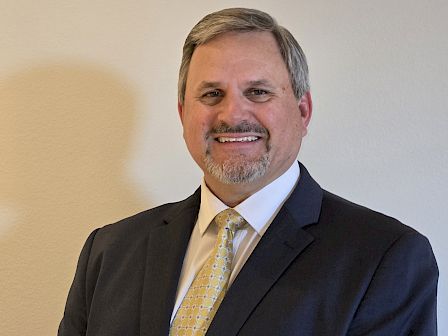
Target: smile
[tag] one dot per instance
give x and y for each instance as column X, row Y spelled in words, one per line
column 238, row 139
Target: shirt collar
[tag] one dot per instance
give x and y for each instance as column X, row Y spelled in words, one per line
column 259, row 209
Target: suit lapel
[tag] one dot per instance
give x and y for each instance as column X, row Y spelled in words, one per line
column 167, row 244
column 280, row 245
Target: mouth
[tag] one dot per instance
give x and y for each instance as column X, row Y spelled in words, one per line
column 224, row 139
column 240, row 134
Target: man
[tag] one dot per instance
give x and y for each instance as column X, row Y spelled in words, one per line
column 260, row 248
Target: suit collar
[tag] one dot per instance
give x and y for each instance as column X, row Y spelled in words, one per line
column 281, row 244
column 167, row 244
column 305, row 202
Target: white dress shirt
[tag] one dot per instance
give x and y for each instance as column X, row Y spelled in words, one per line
column 259, row 210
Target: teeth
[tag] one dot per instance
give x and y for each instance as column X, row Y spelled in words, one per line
column 242, row 139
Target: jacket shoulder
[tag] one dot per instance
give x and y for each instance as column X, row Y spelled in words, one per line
column 360, row 218
column 133, row 229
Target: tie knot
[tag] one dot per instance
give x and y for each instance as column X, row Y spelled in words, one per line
column 230, row 219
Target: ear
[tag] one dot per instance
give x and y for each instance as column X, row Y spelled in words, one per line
column 180, row 110
column 306, row 110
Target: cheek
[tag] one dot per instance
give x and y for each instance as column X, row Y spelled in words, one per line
column 294, row 121
column 284, row 121
column 287, row 129
column 193, row 120
column 195, row 130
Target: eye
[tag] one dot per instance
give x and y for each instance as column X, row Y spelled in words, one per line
column 211, row 97
column 257, row 92
column 214, row 93
column 258, row 95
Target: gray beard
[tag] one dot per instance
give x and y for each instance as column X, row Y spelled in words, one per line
column 238, row 169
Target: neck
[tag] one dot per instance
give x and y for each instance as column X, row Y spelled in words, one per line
column 233, row 194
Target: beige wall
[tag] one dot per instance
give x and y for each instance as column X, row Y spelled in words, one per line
column 89, row 131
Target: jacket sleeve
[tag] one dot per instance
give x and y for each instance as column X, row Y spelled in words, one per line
column 74, row 322
column 401, row 298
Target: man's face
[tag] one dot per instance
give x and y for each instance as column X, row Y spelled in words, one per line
column 242, row 123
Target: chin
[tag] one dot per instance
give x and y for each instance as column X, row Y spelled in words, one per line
column 237, row 170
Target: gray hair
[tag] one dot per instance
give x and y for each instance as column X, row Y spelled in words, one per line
column 246, row 20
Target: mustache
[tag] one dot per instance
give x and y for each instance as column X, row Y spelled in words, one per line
column 242, row 127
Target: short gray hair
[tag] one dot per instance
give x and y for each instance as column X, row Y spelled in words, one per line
column 246, row 20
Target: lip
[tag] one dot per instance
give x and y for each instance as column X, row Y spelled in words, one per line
column 236, row 138
column 240, row 143
column 240, row 139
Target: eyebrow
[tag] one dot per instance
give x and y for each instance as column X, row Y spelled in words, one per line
column 260, row 82
column 205, row 85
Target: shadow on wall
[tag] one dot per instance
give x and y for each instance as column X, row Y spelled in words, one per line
column 65, row 132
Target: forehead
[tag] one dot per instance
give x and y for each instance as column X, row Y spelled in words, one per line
column 249, row 56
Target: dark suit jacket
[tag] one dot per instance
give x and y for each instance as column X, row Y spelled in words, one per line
column 324, row 267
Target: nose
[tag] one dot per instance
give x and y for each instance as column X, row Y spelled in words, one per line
column 234, row 108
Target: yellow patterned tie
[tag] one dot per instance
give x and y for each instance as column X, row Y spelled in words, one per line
column 205, row 294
